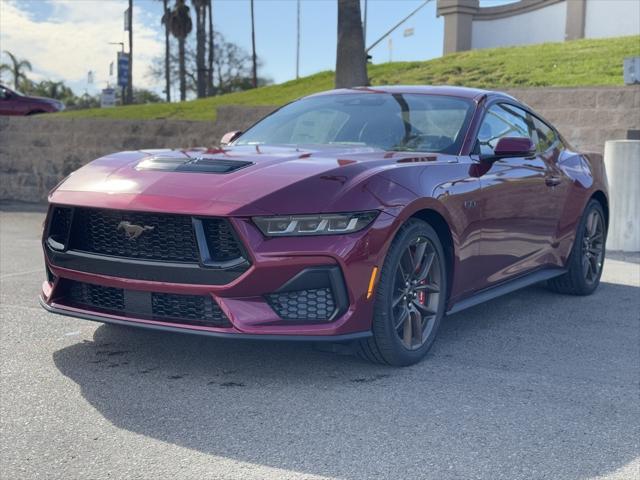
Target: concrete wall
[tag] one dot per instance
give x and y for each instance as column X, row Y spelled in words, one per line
column 611, row 18
column 36, row 152
column 521, row 29
column 622, row 161
column 467, row 25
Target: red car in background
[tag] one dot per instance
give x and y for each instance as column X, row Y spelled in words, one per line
column 361, row 215
column 14, row 103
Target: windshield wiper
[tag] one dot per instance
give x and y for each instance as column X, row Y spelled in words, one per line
column 401, row 148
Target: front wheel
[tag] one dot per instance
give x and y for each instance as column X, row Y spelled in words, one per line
column 410, row 297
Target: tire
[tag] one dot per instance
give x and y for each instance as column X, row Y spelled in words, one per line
column 584, row 267
column 415, row 249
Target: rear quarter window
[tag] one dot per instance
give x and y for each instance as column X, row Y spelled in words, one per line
column 544, row 136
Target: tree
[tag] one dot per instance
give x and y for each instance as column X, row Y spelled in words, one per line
column 166, row 21
column 17, row 69
column 142, row 95
column 4, row 68
column 181, row 26
column 351, row 61
column 48, row 88
column 201, row 35
column 231, row 67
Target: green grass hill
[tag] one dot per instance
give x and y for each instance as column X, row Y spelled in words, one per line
column 566, row 64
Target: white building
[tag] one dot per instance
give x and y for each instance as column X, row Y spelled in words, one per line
column 468, row 26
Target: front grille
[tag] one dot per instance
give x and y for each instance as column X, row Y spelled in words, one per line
column 314, row 304
column 199, row 310
column 164, row 237
column 60, row 225
column 144, row 236
column 222, row 242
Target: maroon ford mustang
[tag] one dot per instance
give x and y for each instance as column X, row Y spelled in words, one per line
column 361, row 215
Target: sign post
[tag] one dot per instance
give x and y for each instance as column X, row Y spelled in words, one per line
column 108, row 98
column 123, row 72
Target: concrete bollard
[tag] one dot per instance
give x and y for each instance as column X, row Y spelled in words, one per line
column 622, row 161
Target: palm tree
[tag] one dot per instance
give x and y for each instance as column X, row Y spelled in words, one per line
column 54, row 89
column 166, row 21
column 181, row 27
column 4, row 68
column 201, row 12
column 16, row 69
column 351, row 61
column 51, row 89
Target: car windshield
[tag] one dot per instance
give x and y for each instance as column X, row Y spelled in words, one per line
column 5, row 91
column 392, row 122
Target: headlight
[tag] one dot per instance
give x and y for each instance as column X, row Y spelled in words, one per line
column 324, row 224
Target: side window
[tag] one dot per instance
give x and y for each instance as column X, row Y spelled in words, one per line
column 544, row 136
column 3, row 93
column 500, row 121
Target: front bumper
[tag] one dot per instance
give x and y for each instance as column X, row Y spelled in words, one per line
column 275, row 263
column 69, row 312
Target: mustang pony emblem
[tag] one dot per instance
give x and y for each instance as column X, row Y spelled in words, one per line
column 133, row 231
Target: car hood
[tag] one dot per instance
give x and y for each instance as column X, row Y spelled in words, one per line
column 244, row 180
column 51, row 101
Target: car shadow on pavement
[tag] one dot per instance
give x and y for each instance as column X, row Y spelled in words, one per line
column 532, row 385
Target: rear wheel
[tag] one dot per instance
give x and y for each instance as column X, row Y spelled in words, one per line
column 410, row 297
column 587, row 256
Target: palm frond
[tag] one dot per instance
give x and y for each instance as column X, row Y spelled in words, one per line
column 25, row 64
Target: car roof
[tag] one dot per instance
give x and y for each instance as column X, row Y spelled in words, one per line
column 463, row 92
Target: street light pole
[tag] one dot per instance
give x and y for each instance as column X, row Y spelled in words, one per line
column 364, row 26
column 253, row 46
column 298, row 43
column 390, row 31
column 130, row 79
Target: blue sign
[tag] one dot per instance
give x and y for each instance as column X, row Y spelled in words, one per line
column 123, row 69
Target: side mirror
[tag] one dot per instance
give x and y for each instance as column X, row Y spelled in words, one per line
column 229, row 137
column 514, row 147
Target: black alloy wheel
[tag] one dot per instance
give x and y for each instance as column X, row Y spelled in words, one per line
column 584, row 266
column 593, row 246
column 409, row 298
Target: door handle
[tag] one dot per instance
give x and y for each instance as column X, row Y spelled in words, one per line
column 553, row 181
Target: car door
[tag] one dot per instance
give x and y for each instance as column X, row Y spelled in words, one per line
column 518, row 217
column 550, row 150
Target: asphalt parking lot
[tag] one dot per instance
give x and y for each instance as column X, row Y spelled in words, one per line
column 533, row 385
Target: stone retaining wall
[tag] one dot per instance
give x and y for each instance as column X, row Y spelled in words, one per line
column 587, row 117
column 36, row 152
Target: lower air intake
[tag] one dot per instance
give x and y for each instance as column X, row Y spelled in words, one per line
column 199, row 310
column 316, row 304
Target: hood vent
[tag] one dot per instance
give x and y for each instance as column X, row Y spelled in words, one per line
column 429, row 158
column 192, row 165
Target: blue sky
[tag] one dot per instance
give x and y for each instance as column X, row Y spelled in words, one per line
column 64, row 39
